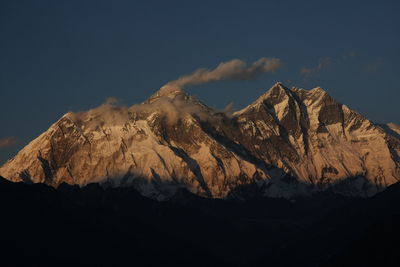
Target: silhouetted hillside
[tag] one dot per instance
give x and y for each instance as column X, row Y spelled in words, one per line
column 93, row 226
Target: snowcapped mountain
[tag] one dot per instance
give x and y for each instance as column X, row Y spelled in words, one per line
column 320, row 141
column 289, row 141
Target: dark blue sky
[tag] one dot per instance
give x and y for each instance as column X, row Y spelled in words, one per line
column 59, row 56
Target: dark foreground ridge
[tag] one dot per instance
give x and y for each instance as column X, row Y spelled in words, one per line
column 92, row 226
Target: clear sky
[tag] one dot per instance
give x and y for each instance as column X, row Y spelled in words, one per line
column 60, row 56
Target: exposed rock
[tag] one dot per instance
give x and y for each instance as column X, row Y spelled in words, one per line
column 289, row 141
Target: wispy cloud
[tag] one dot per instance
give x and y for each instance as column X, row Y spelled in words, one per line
column 233, row 70
column 8, row 141
column 374, row 66
column 176, row 108
column 348, row 56
column 308, row 73
column 323, row 63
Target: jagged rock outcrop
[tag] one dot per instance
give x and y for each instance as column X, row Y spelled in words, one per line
column 320, row 141
column 289, row 141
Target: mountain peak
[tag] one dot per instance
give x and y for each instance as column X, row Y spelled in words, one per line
column 318, row 90
column 166, row 91
column 314, row 90
column 278, row 84
column 278, row 90
column 315, row 95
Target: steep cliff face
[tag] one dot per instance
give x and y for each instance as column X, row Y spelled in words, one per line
column 286, row 142
column 320, row 141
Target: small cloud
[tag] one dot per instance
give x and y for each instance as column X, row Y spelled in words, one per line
column 347, row 56
column 325, row 62
column 233, row 70
column 374, row 66
column 308, row 73
column 228, row 110
column 8, row 141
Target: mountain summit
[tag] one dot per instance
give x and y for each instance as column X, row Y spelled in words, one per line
column 287, row 142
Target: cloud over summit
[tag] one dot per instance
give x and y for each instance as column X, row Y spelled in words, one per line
column 175, row 108
column 233, row 70
column 308, row 73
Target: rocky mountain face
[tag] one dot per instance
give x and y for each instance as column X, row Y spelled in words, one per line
column 288, row 142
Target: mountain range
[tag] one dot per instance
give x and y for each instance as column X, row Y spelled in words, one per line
column 287, row 143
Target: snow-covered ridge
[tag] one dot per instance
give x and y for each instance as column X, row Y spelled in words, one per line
column 394, row 127
column 287, row 142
